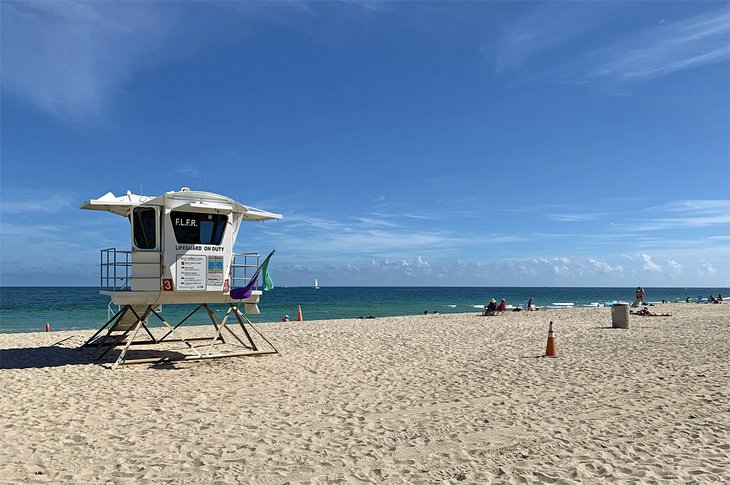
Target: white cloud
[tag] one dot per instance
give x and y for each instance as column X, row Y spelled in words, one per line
column 23, row 202
column 680, row 222
column 573, row 217
column 547, row 270
column 71, row 58
column 666, row 48
column 68, row 57
column 315, row 238
column 694, row 206
column 604, row 267
column 709, row 268
column 674, row 266
column 558, row 266
column 649, row 264
column 375, row 222
column 685, row 213
column 188, row 170
column 657, row 50
column 544, row 28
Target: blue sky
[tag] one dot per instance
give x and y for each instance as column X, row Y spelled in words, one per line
column 475, row 143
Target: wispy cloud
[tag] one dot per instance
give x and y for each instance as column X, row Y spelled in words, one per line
column 545, row 28
column 575, row 217
column 404, row 215
column 313, row 237
column 35, row 240
column 67, row 57
column 693, row 206
column 368, row 242
column 189, row 171
column 684, row 222
column 559, row 30
column 666, row 48
column 375, row 222
column 686, row 213
column 72, row 58
column 16, row 202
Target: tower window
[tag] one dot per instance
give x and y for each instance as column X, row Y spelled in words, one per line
column 144, row 220
column 196, row 228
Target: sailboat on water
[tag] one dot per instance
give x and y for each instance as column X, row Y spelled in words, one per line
column 316, row 284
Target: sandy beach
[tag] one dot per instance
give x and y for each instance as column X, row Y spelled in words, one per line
column 419, row 399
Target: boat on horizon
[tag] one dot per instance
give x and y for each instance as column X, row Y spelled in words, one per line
column 316, row 284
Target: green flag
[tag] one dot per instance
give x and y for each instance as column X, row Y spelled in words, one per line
column 268, row 282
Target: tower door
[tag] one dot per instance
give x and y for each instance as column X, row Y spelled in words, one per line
column 146, row 261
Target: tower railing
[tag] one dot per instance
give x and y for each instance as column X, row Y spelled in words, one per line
column 115, row 270
column 243, row 267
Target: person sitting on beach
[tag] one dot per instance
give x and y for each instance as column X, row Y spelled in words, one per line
column 645, row 312
column 491, row 308
column 285, row 319
column 502, row 305
column 531, row 305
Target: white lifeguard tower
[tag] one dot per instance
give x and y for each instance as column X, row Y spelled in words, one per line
column 181, row 253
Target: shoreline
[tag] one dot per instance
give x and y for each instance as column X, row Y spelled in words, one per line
column 367, row 313
column 411, row 399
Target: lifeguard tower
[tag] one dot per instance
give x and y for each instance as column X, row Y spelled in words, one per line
column 181, row 253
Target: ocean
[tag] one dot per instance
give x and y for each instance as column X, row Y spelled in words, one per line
column 28, row 309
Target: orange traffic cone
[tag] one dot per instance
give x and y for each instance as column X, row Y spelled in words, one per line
column 299, row 316
column 551, row 350
column 48, row 327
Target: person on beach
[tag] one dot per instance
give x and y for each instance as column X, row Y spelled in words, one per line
column 491, row 308
column 645, row 312
column 639, row 297
column 531, row 305
column 502, row 305
column 285, row 319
